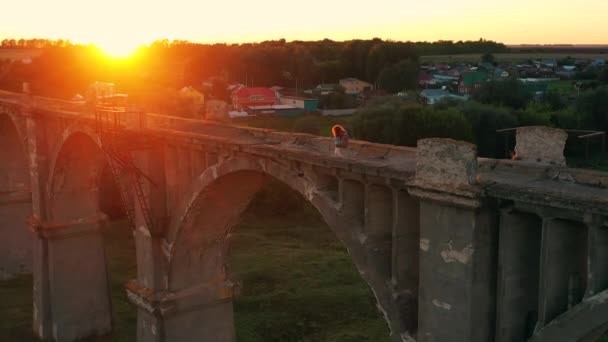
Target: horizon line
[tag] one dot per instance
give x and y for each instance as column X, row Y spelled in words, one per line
column 202, row 42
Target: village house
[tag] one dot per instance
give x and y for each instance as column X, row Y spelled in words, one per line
column 432, row 96
column 253, row 96
column 425, row 79
column 322, row 89
column 469, row 81
column 307, row 104
column 353, row 86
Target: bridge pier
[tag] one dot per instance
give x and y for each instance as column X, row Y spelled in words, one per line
column 518, row 275
column 597, row 272
column 405, row 258
column 199, row 313
column 458, row 242
column 562, row 268
column 16, row 242
column 379, row 228
column 71, row 289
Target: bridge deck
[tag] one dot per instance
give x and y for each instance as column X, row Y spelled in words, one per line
column 502, row 177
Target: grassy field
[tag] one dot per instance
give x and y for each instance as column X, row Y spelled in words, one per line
column 298, row 283
column 508, row 57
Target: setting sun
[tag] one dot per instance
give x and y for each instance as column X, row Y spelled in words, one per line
column 118, row 48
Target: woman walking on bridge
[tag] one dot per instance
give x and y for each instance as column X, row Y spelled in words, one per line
column 340, row 139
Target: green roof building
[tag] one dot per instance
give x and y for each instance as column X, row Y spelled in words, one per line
column 471, row 80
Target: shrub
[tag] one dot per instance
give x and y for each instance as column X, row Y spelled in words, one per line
column 567, row 118
column 485, row 120
column 593, row 104
column 509, row 93
column 404, row 124
column 535, row 115
column 307, row 124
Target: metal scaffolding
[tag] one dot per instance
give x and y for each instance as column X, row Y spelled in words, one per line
column 115, row 128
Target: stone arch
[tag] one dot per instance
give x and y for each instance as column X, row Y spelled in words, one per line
column 247, row 176
column 74, row 179
column 15, row 198
column 196, row 240
column 78, row 282
column 84, row 134
column 13, row 112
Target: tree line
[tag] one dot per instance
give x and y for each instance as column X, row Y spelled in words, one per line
column 64, row 69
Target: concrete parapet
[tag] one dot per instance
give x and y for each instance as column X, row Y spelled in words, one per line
column 541, row 144
column 446, row 162
column 446, row 171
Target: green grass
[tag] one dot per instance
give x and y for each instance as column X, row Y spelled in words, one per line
column 302, row 268
column 298, row 282
column 288, row 124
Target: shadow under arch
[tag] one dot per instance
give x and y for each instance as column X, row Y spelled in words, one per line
column 78, row 288
column 585, row 322
column 15, row 200
column 197, row 241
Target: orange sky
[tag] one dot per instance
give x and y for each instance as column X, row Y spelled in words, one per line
column 120, row 25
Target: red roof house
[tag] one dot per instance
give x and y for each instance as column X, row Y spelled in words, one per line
column 258, row 96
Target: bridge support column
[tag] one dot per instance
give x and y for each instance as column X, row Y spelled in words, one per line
column 379, row 228
column 73, row 285
column 458, row 243
column 518, row 275
column 200, row 313
column 16, row 242
column 597, row 256
column 405, row 258
column 563, row 268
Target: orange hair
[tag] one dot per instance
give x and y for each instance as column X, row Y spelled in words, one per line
column 336, row 129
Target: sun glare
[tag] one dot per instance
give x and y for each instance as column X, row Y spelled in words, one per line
column 117, row 48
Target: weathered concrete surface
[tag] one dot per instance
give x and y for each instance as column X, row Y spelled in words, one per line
column 562, row 267
column 446, row 162
column 15, row 199
column 426, row 243
column 518, row 275
column 458, row 244
column 541, row 144
column 78, row 293
column 457, row 273
column 15, row 248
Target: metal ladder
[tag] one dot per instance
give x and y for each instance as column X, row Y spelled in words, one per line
column 121, row 163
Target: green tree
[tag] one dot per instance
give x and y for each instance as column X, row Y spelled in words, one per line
column 593, row 104
column 485, row 120
column 401, row 123
column 509, row 93
column 488, row 58
column 400, row 76
column 603, row 76
column 554, row 99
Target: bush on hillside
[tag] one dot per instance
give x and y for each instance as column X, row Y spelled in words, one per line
column 508, row 93
column 485, row 120
column 593, row 104
column 535, row 115
column 404, row 124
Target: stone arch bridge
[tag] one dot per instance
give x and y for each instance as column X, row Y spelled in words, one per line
column 454, row 247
